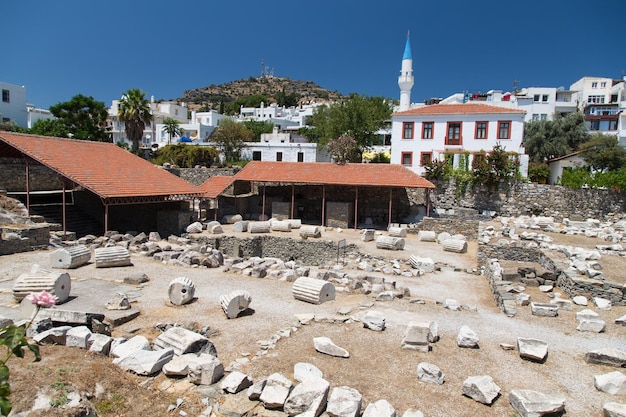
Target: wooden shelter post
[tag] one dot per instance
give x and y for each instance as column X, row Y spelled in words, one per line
column 263, row 205
column 428, row 202
column 106, row 218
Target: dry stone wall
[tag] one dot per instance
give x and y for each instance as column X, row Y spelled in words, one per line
column 40, row 178
column 197, row 176
column 13, row 240
column 522, row 198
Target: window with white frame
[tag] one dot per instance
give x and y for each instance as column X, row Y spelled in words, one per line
column 595, row 99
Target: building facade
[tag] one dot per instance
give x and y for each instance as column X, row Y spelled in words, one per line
column 424, row 134
column 13, row 104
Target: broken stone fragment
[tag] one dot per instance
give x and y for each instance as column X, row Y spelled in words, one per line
column 326, row 346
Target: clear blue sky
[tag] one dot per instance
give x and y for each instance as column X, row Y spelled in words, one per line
column 58, row 49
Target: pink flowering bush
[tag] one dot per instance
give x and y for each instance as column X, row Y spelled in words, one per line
column 13, row 338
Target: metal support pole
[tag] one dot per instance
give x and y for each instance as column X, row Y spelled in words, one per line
column 27, row 186
column 63, row 214
column 428, row 202
column 356, row 207
column 292, row 199
column 263, row 206
column 323, row 203
column 106, row 218
column 390, row 197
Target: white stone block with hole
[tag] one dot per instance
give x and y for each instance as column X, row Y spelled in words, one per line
column 181, row 291
column 42, row 279
column 70, row 257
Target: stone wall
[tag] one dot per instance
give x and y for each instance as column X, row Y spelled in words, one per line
column 522, row 198
column 40, row 178
column 307, row 252
column 14, row 240
column 574, row 284
column 466, row 227
column 197, row 176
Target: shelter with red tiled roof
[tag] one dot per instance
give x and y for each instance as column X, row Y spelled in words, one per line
column 101, row 177
column 427, row 133
column 331, row 194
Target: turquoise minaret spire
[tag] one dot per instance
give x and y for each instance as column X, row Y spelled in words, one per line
column 405, row 80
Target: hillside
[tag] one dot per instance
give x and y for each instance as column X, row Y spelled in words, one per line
column 276, row 89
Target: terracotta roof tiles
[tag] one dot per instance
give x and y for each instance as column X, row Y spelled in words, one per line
column 103, row 168
column 460, row 108
column 216, row 185
column 380, row 175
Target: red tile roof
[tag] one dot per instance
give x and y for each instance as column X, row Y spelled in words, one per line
column 103, row 168
column 216, row 185
column 460, row 108
column 377, row 175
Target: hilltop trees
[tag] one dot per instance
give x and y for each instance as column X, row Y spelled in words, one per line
column 80, row 118
column 231, row 136
column 358, row 117
column 134, row 111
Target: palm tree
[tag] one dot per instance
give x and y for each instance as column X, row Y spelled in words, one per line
column 172, row 128
column 134, row 111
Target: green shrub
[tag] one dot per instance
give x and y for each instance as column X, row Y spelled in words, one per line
column 538, row 172
column 186, row 156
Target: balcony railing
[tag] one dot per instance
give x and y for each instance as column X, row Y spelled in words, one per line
column 454, row 141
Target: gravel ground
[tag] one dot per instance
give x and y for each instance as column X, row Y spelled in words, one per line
column 378, row 367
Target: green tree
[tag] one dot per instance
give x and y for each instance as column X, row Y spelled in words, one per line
column 358, row 117
column 134, row 111
column 187, row 156
column 231, row 136
column 259, row 127
column 172, row 128
column 49, row 127
column 82, row 117
column 603, row 153
column 12, row 127
column 548, row 139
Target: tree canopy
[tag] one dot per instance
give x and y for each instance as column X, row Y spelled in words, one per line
column 358, row 117
column 603, row 153
column 134, row 111
column 548, row 139
column 187, row 156
column 231, row 136
column 259, row 127
column 80, row 118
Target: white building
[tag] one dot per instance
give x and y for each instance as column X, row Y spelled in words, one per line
column 151, row 135
column 284, row 117
column 287, row 147
column 423, row 134
column 34, row 114
column 13, row 104
column 197, row 130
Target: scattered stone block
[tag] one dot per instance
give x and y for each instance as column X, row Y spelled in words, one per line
column 602, row 303
column 467, row 338
column 481, row 388
column 280, row 226
column 181, row 291
column 454, row 245
column 614, row 409
column 259, row 227
column 411, row 412
column 587, row 314
column 397, row 231
column 426, row 236
column 255, row 390
column 368, row 235
column 240, row 226
column 70, row 257
column 54, row 336
column 145, row 362
column 612, row 383
column 530, row 403
column 184, row 341
column 580, row 300
column 125, row 348
column 562, row 304
column 591, row 325
column 418, row 336
column 312, row 290
column 42, row 279
column 326, row 346
column 235, row 303
column 179, row 365
column 544, row 309
column 607, row 356
column 303, row 370
column 390, row 242
column 427, row 372
column 310, row 231
column 100, row 343
column 621, row 320
column 111, row 257
column 308, row 398
column 195, row 227
column 276, row 391
column 205, row 370
column 374, row 320
column 423, row 264
column 78, row 337
column 236, row 381
column 532, row 349
column 232, row 218
column 380, row 408
column 344, row 402
column 118, row 302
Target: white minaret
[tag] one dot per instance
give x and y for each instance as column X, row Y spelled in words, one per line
column 405, row 80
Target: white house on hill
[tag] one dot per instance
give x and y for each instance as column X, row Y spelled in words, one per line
column 426, row 133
